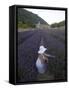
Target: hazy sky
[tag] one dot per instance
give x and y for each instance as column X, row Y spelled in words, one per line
column 50, row 16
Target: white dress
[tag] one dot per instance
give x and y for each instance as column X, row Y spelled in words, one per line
column 40, row 66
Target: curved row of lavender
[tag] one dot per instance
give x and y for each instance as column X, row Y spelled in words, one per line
column 28, row 46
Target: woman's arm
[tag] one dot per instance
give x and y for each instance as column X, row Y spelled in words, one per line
column 45, row 58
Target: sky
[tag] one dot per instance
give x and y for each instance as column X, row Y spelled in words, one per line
column 50, row 16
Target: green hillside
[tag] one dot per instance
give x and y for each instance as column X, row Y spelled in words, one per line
column 62, row 23
column 28, row 19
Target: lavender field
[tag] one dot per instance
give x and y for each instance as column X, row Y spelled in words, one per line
column 28, row 46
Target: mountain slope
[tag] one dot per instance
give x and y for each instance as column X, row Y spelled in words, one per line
column 28, row 17
column 62, row 23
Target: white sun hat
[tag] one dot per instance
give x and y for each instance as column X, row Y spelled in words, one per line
column 42, row 49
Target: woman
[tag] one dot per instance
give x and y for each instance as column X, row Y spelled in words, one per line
column 42, row 60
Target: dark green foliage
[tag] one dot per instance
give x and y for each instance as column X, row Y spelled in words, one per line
column 28, row 19
column 24, row 25
column 62, row 23
column 54, row 25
